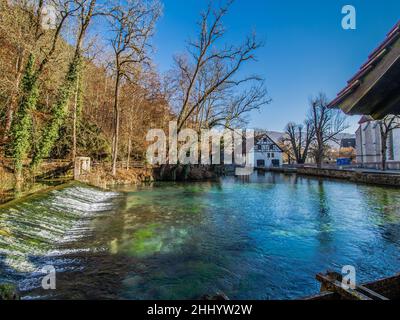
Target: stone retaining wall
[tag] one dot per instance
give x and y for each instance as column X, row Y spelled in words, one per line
column 386, row 179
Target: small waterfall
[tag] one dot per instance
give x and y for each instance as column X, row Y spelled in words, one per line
column 42, row 230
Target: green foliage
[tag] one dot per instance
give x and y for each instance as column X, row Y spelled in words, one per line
column 8, row 292
column 22, row 124
column 90, row 141
column 80, row 95
column 59, row 111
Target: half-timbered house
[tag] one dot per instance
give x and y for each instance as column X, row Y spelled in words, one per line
column 266, row 152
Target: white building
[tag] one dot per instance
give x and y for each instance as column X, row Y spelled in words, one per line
column 266, row 152
column 368, row 145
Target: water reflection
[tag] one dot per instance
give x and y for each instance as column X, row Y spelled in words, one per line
column 324, row 221
column 261, row 238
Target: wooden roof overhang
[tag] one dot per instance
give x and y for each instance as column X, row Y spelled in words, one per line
column 375, row 89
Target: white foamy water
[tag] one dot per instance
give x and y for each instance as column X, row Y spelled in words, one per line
column 34, row 232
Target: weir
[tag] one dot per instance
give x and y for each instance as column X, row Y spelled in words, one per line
column 39, row 230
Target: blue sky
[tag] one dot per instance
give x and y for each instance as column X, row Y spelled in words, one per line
column 306, row 50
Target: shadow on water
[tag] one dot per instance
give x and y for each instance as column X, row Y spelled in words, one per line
column 387, row 209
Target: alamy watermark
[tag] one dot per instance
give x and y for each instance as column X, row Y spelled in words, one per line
column 349, row 278
column 49, row 280
column 49, row 17
column 349, row 21
column 210, row 147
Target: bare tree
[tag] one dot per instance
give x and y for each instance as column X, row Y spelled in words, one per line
column 210, row 70
column 327, row 125
column 35, row 36
column 229, row 110
column 386, row 126
column 299, row 138
column 87, row 10
column 132, row 24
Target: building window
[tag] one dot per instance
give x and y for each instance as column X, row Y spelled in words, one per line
column 273, row 155
column 259, row 147
column 269, row 155
column 271, row 147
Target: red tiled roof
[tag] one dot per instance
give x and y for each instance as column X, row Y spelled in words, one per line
column 373, row 59
column 365, row 119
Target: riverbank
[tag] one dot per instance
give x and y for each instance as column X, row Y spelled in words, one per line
column 51, row 173
column 368, row 177
column 186, row 173
column 374, row 177
column 100, row 176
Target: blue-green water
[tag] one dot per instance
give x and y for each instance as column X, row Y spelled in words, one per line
column 260, row 238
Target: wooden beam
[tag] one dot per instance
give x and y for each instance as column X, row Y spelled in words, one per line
column 374, row 295
column 391, row 105
column 332, row 282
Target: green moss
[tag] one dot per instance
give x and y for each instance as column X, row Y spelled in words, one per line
column 8, row 292
column 22, row 124
column 50, row 133
column 145, row 242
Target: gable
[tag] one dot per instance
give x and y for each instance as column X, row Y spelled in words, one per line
column 263, row 143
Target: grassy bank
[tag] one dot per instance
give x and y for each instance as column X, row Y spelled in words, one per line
column 50, row 174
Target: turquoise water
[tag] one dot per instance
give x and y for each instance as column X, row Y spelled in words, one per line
column 264, row 237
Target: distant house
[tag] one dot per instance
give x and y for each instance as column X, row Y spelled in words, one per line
column 348, row 143
column 266, row 152
column 368, row 145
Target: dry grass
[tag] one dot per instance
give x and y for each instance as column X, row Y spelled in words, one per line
column 6, row 180
column 101, row 176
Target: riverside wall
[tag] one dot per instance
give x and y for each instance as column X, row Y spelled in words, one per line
column 376, row 178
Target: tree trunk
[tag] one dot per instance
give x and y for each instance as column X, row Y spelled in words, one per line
column 320, row 150
column 384, row 151
column 128, row 158
column 116, row 126
column 75, row 120
column 318, row 157
column 13, row 101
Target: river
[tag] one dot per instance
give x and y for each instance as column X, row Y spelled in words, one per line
column 263, row 237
